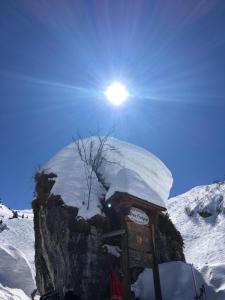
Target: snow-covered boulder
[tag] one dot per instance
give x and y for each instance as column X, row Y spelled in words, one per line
column 130, row 182
column 69, row 252
column 138, row 167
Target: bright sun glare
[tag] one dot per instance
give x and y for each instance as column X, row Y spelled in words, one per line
column 116, row 93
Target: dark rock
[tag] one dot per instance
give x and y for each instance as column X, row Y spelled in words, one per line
column 3, row 226
column 68, row 253
column 68, row 250
column 204, row 213
column 168, row 240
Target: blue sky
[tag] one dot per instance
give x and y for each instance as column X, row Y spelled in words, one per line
column 57, row 57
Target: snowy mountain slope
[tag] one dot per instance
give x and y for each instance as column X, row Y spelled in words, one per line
column 17, row 268
column 71, row 180
column 199, row 215
column 5, row 212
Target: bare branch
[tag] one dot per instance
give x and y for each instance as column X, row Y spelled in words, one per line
column 92, row 153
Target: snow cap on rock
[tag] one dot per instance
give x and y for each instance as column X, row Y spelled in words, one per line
column 126, row 167
column 130, row 182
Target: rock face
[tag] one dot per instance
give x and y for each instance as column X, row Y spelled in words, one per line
column 68, row 250
column 169, row 241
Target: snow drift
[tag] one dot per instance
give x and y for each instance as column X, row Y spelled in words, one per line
column 16, row 255
column 15, row 271
column 176, row 283
column 12, row 294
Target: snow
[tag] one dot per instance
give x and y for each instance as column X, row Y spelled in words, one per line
column 144, row 175
column 12, row 294
column 130, row 182
column 20, row 234
column 204, row 238
column 5, row 212
column 176, row 283
column 17, row 269
column 214, row 275
column 113, row 250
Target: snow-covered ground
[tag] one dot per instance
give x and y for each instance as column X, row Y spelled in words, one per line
column 199, row 215
column 126, row 168
column 177, row 283
column 17, row 269
column 7, row 293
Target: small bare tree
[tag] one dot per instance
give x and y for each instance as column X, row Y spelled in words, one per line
column 93, row 153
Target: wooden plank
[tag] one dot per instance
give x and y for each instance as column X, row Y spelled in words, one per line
column 155, row 269
column 134, row 201
column 139, row 246
column 125, row 263
column 138, row 236
column 139, row 259
column 113, row 233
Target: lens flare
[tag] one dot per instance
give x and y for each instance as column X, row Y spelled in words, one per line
column 116, row 93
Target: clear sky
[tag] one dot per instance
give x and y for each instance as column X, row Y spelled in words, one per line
column 57, row 57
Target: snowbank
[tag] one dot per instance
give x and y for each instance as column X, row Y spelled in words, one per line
column 12, row 294
column 15, row 271
column 149, row 177
column 214, row 276
column 176, row 283
column 20, row 234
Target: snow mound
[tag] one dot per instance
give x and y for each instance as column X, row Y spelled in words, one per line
column 176, row 283
column 20, row 234
column 143, row 168
column 15, row 271
column 12, row 294
column 199, row 215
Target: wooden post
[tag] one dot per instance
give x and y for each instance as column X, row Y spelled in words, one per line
column 155, row 268
column 125, row 262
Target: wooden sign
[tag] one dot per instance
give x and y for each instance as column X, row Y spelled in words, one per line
column 138, row 216
column 139, row 248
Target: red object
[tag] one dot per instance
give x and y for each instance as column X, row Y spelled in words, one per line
column 116, row 288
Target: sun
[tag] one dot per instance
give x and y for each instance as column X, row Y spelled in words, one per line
column 116, row 93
